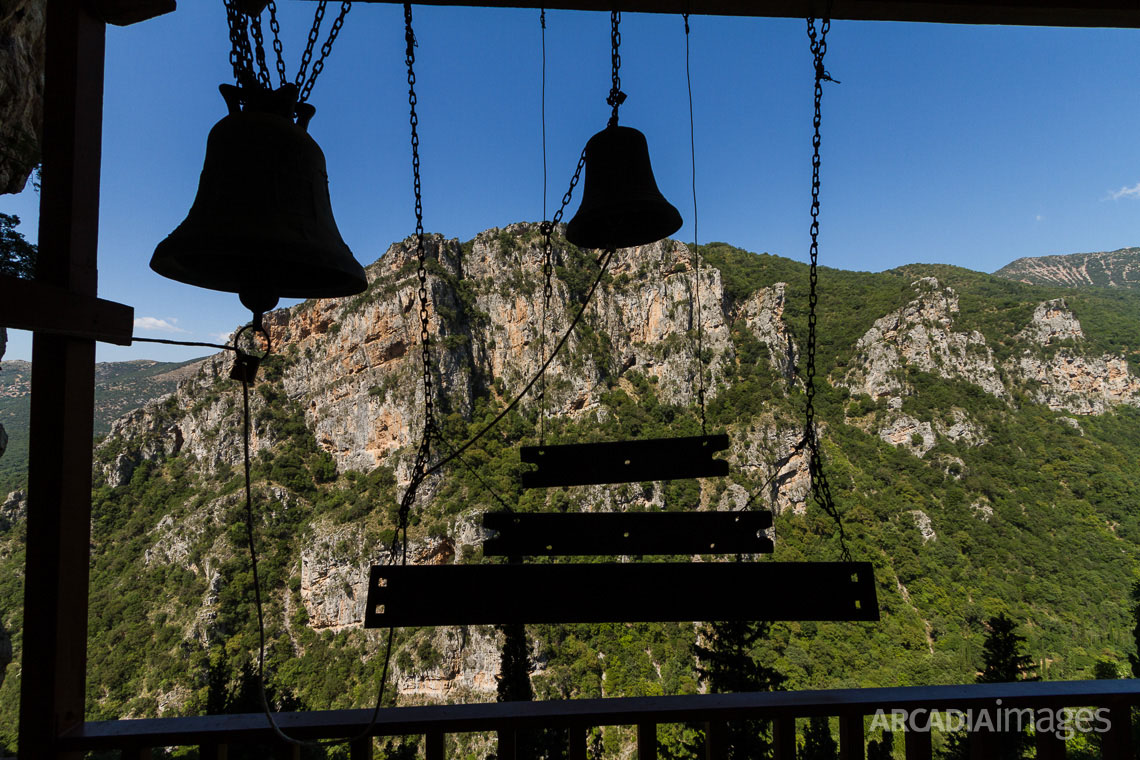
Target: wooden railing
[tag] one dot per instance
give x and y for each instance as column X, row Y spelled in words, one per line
column 214, row 733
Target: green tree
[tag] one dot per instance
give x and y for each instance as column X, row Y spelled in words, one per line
column 1003, row 661
column 1134, row 659
column 727, row 662
column 881, row 749
column 818, row 742
column 17, row 255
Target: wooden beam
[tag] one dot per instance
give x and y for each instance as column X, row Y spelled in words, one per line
column 582, row 464
column 35, row 305
column 625, row 533
column 61, row 424
column 126, row 12
column 606, row 592
column 1095, row 13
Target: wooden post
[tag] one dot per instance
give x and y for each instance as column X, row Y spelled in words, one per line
column 646, row 741
column 784, row 738
column 63, row 381
column 851, row 739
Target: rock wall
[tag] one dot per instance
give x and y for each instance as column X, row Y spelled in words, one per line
column 21, row 90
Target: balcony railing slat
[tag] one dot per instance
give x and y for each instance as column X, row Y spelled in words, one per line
column 646, row 741
column 851, row 739
column 918, row 745
column 360, row 749
column 577, row 741
column 433, row 745
column 784, row 738
column 1049, row 746
column 508, row 744
column 715, row 740
column 1117, row 742
column 214, row 752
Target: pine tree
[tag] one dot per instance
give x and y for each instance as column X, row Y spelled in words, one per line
column 818, row 743
column 1134, row 659
column 726, row 662
column 881, row 749
column 1003, row 661
column 17, row 255
column 514, row 686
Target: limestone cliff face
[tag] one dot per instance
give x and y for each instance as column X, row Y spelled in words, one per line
column 21, row 90
column 1070, row 380
column 922, row 335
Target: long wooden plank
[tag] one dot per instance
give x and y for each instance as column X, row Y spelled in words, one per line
column 1107, row 13
column 606, row 592
column 626, row 533
column 581, row 464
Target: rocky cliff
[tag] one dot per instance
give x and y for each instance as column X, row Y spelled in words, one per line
column 21, row 90
column 957, row 425
column 1113, row 269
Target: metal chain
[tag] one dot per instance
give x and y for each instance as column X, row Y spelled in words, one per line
column 617, row 97
column 241, row 58
column 696, row 247
column 326, row 48
column 548, row 287
column 314, row 33
column 421, row 273
column 821, row 489
column 275, row 27
column 259, row 46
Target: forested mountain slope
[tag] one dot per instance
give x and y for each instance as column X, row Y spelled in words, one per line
column 982, row 438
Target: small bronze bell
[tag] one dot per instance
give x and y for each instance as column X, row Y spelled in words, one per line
column 262, row 224
column 621, row 205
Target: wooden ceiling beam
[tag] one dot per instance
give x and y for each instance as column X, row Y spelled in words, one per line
column 1096, row 13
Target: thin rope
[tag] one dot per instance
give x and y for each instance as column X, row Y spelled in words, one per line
column 546, row 264
column 137, row 339
column 696, row 246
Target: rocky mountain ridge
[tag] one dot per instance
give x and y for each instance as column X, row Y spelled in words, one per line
column 1112, row 269
column 962, row 415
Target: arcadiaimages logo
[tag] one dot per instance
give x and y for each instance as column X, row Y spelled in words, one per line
column 1062, row 722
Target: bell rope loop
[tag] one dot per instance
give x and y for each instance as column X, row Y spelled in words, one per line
column 261, row 224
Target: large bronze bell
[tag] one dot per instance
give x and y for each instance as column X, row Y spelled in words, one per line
column 262, row 224
column 621, row 205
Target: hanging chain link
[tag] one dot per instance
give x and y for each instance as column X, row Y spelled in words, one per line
column 275, row 27
column 617, row 97
column 821, row 489
column 259, row 47
column 241, row 58
column 419, row 469
column 421, row 273
column 319, row 64
column 311, row 43
column 548, row 285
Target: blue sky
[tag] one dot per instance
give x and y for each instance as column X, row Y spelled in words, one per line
column 963, row 145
